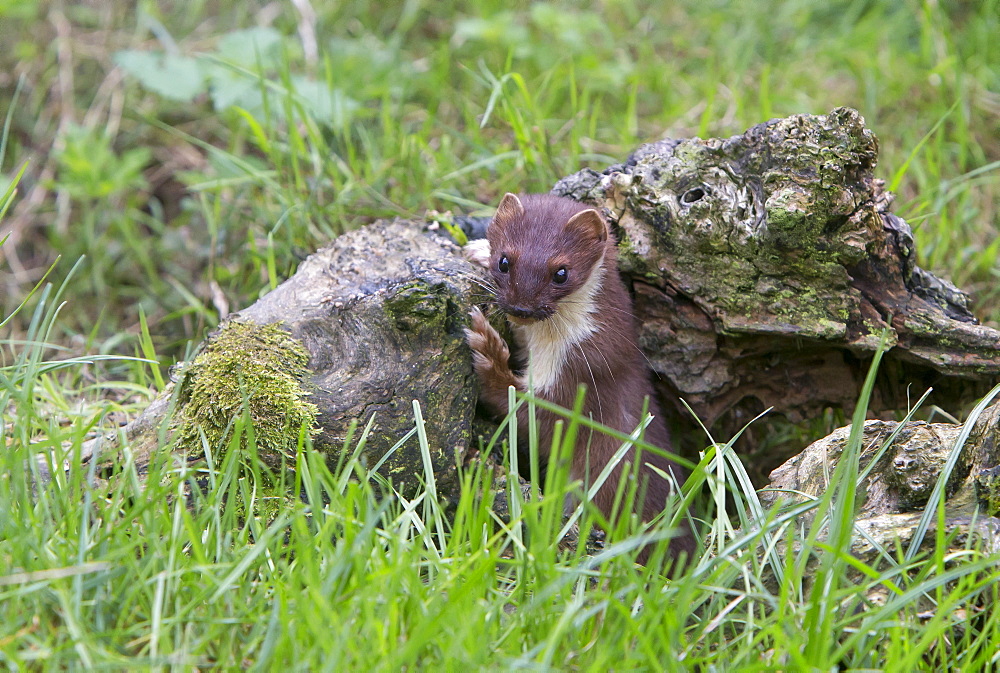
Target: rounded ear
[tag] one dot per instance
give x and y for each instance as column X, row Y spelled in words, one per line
column 589, row 223
column 510, row 208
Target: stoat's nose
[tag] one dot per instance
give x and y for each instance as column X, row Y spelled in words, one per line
column 521, row 312
column 527, row 313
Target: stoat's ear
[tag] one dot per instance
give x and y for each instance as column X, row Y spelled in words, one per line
column 510, row 208
column 589, row 223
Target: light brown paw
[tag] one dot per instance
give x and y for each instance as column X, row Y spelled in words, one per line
column 478, row 252
column 489, row 350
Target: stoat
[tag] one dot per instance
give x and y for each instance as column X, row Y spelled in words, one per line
column 553, row 263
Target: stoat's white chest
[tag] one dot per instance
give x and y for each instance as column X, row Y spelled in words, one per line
column 549, row 342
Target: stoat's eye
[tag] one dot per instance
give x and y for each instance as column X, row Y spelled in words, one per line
column 561, row 275
column 504, row 265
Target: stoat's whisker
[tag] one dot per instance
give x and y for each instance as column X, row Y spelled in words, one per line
column 625, row 337
column 596, row 388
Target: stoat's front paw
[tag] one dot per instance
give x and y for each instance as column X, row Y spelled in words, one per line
column 489, row 350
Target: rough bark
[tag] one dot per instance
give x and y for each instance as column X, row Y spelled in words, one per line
column 380, row 313
column 894, row 494
column 764, row 267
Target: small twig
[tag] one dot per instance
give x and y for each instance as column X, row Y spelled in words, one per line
column 307, row 31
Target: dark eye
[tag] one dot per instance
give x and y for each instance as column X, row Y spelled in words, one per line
column 561, row 275
column 504, row 265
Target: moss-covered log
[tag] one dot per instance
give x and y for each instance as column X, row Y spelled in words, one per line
column 378, row 318
column 766, row 265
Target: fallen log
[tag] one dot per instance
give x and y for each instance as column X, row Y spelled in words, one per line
column 379, row 318
column 766, row 265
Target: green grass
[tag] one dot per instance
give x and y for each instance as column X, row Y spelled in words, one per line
column 146, row 211
column 126, row 576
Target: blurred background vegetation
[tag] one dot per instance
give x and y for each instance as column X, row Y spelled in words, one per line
column 195, row 151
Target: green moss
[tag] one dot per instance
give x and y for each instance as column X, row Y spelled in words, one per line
column 987, row 484
column 252, row 369
column 415, row 307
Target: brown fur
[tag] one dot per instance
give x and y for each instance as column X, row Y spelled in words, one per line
column 538, row 235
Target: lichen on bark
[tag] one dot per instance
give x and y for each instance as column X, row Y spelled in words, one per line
column 758, row 226
column 765, row 267
column 249, row 369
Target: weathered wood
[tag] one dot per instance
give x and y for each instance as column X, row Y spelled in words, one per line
column 894, row 494
column 766, row 265
column 380, row 313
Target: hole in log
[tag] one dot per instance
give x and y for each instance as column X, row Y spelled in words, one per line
column 693, row 195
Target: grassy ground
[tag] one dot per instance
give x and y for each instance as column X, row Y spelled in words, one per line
column 179, row 158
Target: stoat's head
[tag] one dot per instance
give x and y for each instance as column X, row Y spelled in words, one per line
column 543, row 249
